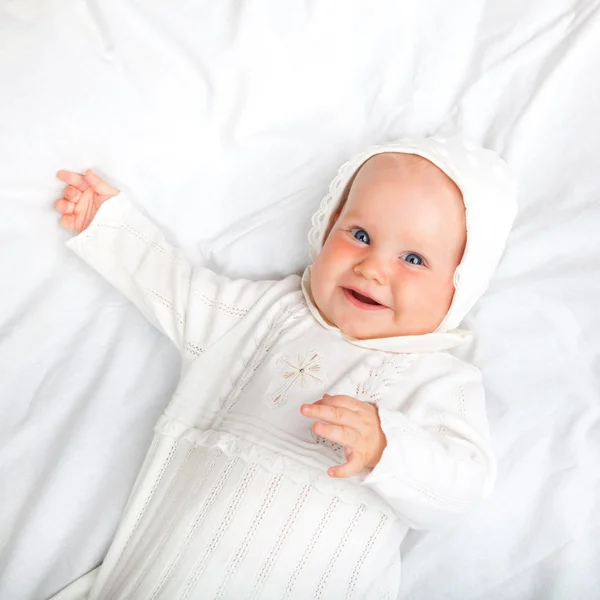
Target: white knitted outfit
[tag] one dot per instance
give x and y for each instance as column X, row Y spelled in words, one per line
column 233, row 500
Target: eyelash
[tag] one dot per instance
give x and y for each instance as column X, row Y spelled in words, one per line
column 356, row 229
column 418, row 256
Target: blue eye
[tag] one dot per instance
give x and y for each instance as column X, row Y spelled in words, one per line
column 361, row 235
column 413, row 259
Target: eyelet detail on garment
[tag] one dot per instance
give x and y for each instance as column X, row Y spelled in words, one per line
column 194, row 349
column 380, row 377
column 160, row 299
column 366, row 550
column 337, row 448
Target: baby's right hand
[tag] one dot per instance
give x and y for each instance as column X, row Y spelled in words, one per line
column 82, row 198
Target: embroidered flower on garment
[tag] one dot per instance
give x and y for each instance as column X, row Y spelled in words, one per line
column 302, row 370
column 381, row 377
column 279, row 324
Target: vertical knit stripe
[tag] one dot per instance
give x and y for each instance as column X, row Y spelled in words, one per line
column 326, row 574
column 230, row 513
column 361, row 559
column 168, row 528
column 243, row 547
column 205, row 507
column 311, row 545
column 149, row 496
column 276, row 549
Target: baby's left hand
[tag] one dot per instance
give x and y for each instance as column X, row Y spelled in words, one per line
column 353, row 424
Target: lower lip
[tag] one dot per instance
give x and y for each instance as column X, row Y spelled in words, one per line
column 360, row 304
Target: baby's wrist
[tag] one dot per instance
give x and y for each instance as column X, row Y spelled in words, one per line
column 378, row 453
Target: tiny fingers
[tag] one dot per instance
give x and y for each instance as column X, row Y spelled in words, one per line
column 99, row 185
column 352, row 467
column 332, row 414
column 75, row 179
column 64, row 207
column 340, row 434
column 68, row 222
column 340, row 401
column 72, row 193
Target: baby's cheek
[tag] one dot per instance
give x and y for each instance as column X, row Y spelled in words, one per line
column 415, row 294
column 407, row 291
column 327, row 266
column 340, row 252
column 438, row 298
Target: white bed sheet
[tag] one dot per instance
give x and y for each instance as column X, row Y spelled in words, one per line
column 226, row 120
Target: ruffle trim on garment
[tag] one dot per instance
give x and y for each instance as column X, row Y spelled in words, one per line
column 350, row 491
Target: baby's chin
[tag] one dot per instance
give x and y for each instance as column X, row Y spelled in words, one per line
column 366, row 331
column 362, row 331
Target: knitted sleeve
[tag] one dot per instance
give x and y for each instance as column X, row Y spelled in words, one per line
column 194, row 307
column 438, row 461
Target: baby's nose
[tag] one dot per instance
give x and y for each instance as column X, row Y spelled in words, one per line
column 372, row 269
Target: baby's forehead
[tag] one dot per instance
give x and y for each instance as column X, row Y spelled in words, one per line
column 403, row 175
column 406, row 165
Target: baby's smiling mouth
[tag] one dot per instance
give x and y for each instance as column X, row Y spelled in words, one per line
column 362, row 301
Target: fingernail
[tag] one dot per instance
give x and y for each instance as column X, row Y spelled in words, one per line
column 305, row 409
column 331, row 472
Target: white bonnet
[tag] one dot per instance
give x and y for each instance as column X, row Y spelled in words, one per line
column 489, row 193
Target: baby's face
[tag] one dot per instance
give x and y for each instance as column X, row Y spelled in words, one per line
column 387, row 266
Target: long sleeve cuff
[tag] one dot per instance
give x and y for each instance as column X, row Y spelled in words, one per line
column 427, row 477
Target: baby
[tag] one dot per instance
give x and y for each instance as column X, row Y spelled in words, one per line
column 317, row 418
